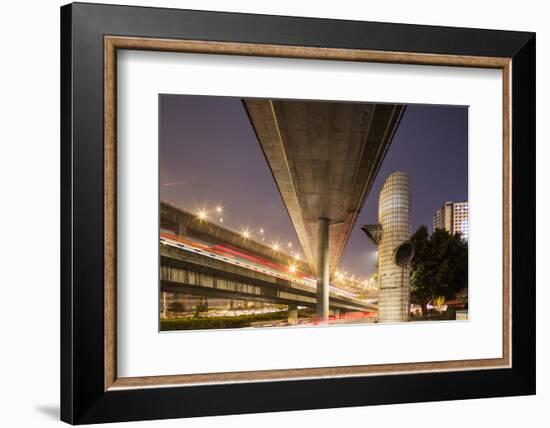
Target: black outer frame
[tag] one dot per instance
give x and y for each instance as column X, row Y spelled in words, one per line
column 83, row 399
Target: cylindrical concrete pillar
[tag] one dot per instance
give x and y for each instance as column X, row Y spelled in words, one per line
column 164, row 310
column 292, row 314
column 394, row 215
column 181, row 227
column 322, row 270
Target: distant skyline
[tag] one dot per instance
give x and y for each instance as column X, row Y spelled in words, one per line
column 209, row 156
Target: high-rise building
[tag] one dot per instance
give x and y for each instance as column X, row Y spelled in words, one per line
column 454, row 218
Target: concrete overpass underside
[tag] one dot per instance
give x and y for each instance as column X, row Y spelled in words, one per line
column 324, row 157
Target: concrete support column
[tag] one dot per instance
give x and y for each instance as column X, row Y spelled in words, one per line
column 181, row 228
column 292, row 314
column 322, row 270
column 164, row 307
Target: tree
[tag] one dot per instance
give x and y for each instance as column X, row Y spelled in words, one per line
column 201, row 307
column 439, row 267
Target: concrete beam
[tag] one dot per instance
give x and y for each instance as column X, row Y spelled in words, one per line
column 324, row 157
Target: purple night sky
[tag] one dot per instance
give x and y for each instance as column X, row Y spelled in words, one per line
column 209, row 156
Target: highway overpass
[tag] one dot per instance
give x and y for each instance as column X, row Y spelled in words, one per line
column 202, row 258
column 324, row 157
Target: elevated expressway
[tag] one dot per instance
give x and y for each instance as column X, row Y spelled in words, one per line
column 324, row 157
column 205, row 259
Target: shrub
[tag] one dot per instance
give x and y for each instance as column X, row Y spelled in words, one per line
column 198, row 323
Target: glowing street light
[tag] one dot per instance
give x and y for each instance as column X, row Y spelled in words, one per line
column 292, row 268
column 219, row 209
column 289, row 245
column 246, row 234
column 202, row 215
column 275, row 246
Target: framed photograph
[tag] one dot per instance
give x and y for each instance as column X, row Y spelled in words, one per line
column 266, row 213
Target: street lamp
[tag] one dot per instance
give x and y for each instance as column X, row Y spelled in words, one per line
column 202, row 215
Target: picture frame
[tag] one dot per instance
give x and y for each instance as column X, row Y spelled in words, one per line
column 91, row 35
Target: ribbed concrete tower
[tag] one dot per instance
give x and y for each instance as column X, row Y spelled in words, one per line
column 394, row 215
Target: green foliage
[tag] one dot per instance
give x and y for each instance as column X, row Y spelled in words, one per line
column 202, row 323
column 439, row 267
column 197, row 323
column 200, row 308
